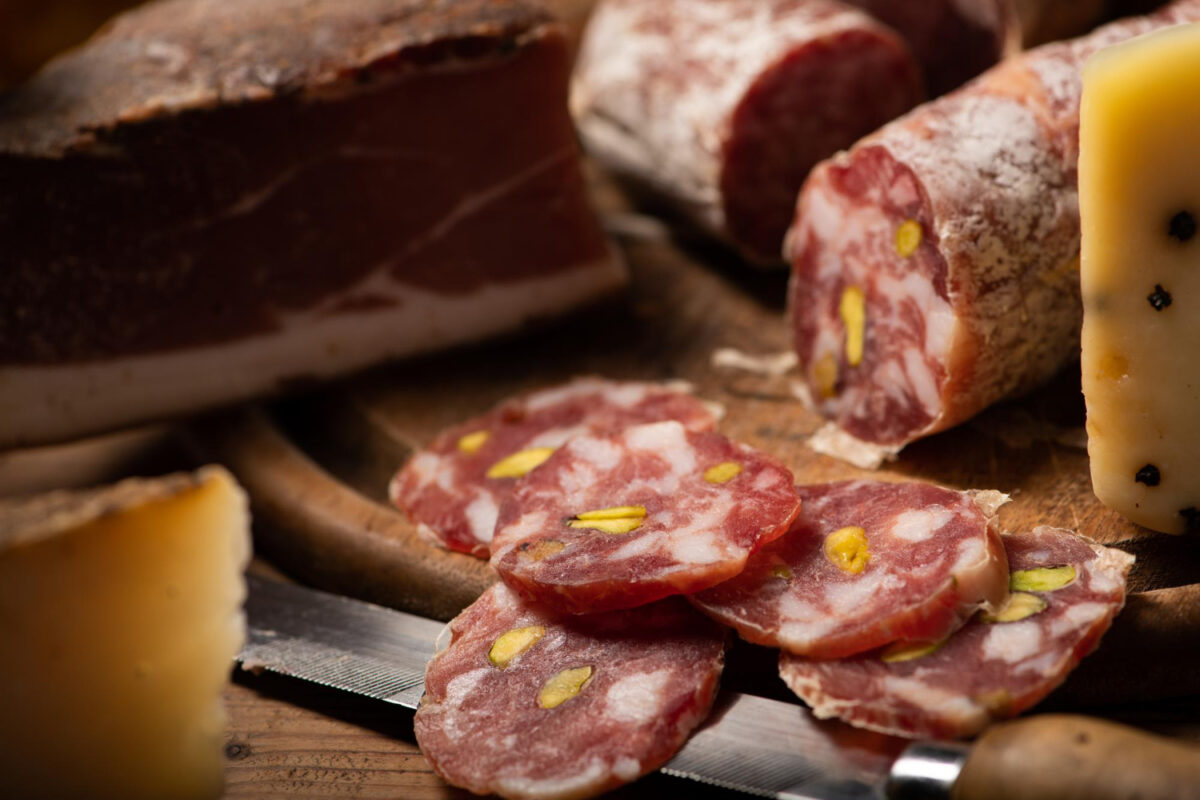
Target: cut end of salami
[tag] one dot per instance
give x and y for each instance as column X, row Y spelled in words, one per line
column 814, row 100
column 723, row 106
column 453, row 487
column 621, row 519
column 1065, row 592
column 868, row 563
column 869, row 301
column 529, row 704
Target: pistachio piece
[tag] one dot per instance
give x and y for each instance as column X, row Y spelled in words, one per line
column 853, row 311
column 519, row 463
column 542, row 549
column 471, row 442
column 615, row 520
column 909, row 651
column 847, row 549
column 908, row 237
column 825, row 375
column 510, row 645
column 563, row 686
column 781, row 571
column 1042, row 579
column 723, row 472
column 1018, row 606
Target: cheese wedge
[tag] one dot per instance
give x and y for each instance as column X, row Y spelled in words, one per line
column 120, row 615
column 1139, row 200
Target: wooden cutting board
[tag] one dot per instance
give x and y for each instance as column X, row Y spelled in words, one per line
column 317, row 465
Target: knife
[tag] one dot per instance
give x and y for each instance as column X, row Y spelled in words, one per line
column 749, row 744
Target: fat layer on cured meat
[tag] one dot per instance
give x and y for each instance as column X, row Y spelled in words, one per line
column 723, row 106
column 935, row 264
column 867, row 563
column 1067, row 589
column 211, row 200
column 632, row 685
column 621, row 519
column 954, row 40
column 446, row 487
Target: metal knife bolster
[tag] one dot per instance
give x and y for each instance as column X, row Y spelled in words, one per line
column 750, row 744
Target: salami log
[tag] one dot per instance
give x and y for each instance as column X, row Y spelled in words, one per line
column 1066, row 591
column 722, row 106
column 867, row 563
column 935, row 264
column 453, row 487
column 954, row 40
column 528, row 704
column 621, row 519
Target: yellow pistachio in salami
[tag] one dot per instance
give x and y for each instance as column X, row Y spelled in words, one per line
column 825, row 375
column 847, row 549
column 472, row 442
column 908, row 238
column 908, row 651
column 520, row 463
column 723, row 472
column 616, row 520
column 542, row 549
column 854, row 318
column 513, row 643
column 1019, row 606
column 1042, row 579
column 563, row 686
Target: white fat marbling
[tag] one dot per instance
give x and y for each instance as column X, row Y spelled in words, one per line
column 921, row 524
column 637, row 699
column 481, row 515
column 1013, row 641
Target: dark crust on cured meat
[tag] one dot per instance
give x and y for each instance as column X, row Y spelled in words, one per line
column 195, row 173
column 177, row 55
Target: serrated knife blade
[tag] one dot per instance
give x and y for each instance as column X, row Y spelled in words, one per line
column 749, row 744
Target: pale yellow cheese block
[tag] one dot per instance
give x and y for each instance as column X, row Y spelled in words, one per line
column 120, row 615
column 1139, row 200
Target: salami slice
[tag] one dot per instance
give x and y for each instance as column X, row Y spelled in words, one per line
column 867, row 563
column 723, row 106
column 453, row 488
column 621, row 519
column 525, row 703
column 935, row 264
column 1066, row 591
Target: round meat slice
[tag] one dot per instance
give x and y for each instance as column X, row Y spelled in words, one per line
column 621, row 519
column 453, row 487
column 1066, row 591
column 527, row 703
column 867, row 563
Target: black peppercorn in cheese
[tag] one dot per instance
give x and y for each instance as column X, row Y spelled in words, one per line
column 1139, row 200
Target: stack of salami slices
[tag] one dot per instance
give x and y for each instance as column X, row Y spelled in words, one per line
column 893, row 604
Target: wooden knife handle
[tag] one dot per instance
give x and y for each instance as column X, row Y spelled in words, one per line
column 1066, row 757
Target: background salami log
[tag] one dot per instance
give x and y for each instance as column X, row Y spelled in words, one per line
column 722, row 106
column 913, row 561
column 935, row 265
column 618, row 520
column 990, row 669
column 636, row 684
column 954, row 40
column 453, row 489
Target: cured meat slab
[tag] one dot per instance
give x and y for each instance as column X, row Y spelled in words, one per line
column 935, row 264
column 620, row 519
column 722, row 106
column 453, row 488
column 528, row 704
column 1066, row 591
column 210, row 201
column 867, row 563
